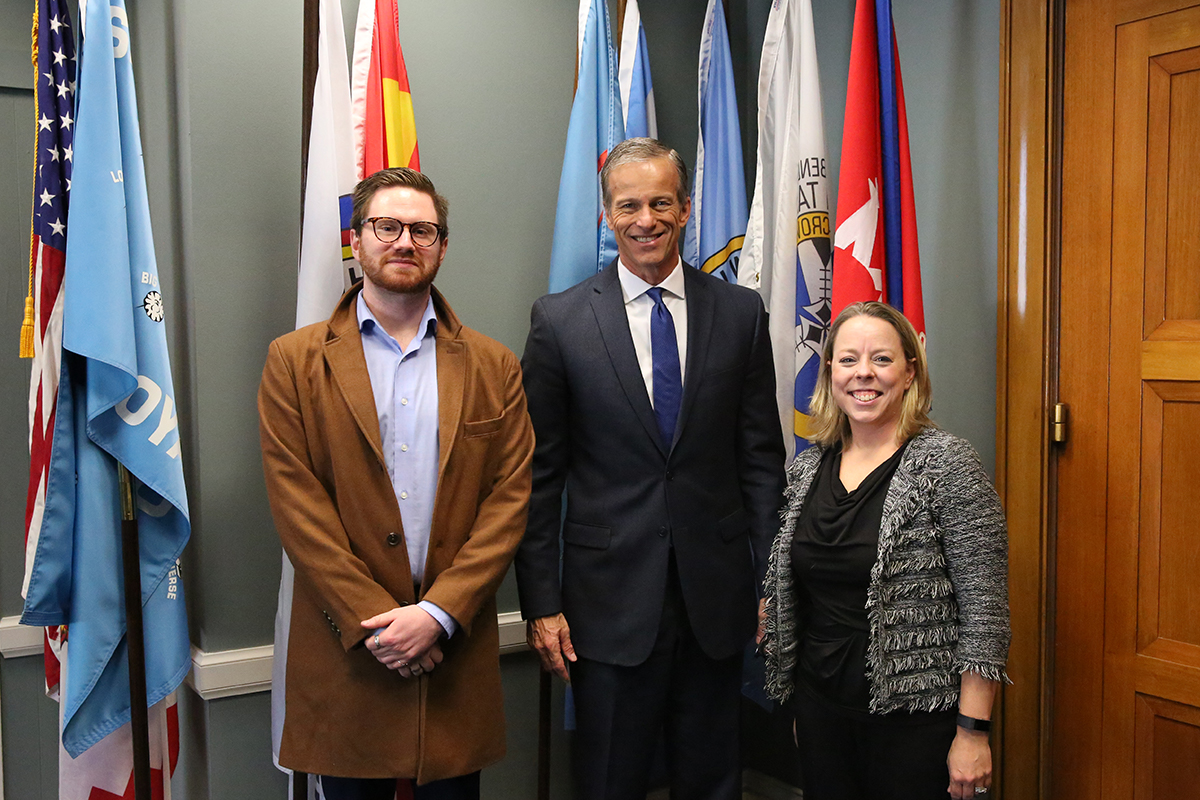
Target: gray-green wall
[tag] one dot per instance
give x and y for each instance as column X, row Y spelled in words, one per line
column 219, row 95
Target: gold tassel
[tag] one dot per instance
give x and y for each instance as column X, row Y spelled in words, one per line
column 26, row 348
column 27, row 330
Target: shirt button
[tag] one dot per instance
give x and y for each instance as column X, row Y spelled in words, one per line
column 404, row 495
column 393, row 539
column 403, row 401
column 403, row 448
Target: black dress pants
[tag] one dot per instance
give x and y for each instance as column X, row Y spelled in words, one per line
column 856, row 756
column 464, row 787
column 678, row 691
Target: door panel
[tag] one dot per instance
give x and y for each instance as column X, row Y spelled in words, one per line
column 1127, row 679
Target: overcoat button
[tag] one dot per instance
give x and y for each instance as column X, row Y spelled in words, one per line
column 393, row 539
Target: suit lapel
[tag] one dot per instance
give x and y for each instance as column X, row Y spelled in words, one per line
column 608, row 304
column 699, row 319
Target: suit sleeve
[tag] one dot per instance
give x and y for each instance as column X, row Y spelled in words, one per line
column 475, row 574
column 537, row 561
column 305, row 514
column 760, row 449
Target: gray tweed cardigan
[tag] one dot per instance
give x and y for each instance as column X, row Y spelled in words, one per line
column 937, row 603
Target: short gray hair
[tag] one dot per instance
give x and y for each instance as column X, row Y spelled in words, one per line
column 637, row 150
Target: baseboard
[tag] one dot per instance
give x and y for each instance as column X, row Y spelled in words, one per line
column 228, row 673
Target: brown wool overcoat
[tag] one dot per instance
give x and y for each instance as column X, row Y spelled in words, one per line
column 334, row 508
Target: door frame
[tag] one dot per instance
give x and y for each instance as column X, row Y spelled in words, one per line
column 1031, row 57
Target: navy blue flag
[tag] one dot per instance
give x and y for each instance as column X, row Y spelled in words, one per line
column 116, row 402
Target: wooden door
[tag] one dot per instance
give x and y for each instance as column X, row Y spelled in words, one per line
column 1125, row 700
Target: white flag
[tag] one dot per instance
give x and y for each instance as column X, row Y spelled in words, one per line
column 786, row 255
column 326, row 266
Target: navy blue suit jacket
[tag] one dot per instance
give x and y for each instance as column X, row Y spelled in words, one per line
column 713, row 493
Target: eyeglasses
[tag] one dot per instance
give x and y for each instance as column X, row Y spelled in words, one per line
column 423, row 234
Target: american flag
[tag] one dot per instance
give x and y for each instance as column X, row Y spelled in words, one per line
column 54, row 55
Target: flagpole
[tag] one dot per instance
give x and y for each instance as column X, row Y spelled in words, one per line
column 544, row 686
column 311, row 45
column 135, row 636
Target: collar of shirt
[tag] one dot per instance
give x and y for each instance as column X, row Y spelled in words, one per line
column 368, row 325
column 638, row 306
column 633, row 287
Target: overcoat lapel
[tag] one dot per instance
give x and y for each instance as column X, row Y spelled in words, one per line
column 699, row 319
column 608, row 304
column 451, row 374
column 348, row 365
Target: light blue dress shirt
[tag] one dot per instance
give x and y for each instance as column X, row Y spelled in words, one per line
column 404, row 382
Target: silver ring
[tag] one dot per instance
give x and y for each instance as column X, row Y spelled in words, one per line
column 377, row 640
column 981, row 790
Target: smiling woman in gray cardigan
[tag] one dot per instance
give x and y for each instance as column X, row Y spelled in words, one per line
column 886, row 614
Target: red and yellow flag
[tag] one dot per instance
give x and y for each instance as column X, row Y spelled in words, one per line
column 383, row 109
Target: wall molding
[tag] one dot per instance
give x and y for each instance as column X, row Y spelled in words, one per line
column 17, row 640
column 228, row 673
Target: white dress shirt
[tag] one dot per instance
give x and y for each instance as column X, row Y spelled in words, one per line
column 638, row 306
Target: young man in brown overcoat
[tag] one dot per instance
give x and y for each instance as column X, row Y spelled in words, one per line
column 397, row 449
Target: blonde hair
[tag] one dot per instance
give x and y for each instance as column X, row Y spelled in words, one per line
column 828, row 424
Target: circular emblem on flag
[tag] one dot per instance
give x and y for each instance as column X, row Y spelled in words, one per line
column 153, row 306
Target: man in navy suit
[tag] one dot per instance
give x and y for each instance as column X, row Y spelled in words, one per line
column 652, row 394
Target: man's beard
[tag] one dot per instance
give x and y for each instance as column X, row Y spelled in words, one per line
column 406, row 281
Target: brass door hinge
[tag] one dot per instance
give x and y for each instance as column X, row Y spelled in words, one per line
column 1058, row 424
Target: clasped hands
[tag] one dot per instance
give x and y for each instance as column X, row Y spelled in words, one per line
column 408, row 642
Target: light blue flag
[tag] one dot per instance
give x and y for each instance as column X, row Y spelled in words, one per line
column 115, row 402
column 583, row 244
column 717, row 228
column 637, row 90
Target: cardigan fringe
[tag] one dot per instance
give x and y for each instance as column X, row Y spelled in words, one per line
column 937, row 603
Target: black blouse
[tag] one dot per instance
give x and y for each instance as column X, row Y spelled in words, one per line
column 834, row 549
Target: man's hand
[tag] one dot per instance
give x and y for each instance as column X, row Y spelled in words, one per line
column 550, row 637
column 409, row 641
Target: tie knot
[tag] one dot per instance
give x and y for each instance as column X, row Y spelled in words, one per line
column 656, row 293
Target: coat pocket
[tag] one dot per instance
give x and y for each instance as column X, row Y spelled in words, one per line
column 731, row 525
column 484, row 427
column 594, row 536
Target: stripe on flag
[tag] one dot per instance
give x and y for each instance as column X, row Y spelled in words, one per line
column 54, row 93
column 385, row 129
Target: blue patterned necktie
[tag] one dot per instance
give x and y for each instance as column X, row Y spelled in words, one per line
column 668, row 378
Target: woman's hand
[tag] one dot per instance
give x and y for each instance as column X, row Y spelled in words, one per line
column 970, row 763
column 762, row 622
